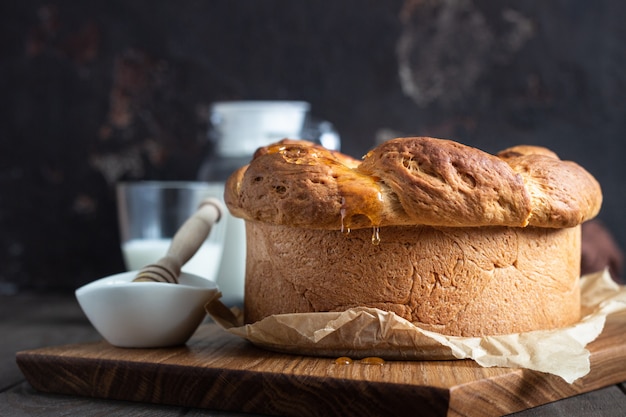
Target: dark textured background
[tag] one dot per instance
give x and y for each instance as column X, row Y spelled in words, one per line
column 94, row 92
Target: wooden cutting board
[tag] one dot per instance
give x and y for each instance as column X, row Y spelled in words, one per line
column 220, row 371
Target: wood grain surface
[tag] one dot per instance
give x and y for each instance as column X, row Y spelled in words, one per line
column 220, row 371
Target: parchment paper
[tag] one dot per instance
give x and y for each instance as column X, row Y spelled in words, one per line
column 362, row 332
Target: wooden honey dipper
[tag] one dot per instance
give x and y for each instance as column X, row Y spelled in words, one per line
column 185, row 244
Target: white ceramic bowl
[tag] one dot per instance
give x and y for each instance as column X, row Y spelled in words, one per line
column 146, row 314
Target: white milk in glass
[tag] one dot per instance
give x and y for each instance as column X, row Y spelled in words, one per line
column 141, row 252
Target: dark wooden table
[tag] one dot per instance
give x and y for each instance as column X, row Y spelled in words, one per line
column 34, row 321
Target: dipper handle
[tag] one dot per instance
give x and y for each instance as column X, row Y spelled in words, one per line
column 185, row 244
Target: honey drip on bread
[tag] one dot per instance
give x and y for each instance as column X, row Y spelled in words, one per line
column 361, row 196
column 345, row 230
column 376, row 236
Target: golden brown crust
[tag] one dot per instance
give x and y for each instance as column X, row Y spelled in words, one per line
column 293, row 182
column 412, row 181
column 562, row 193
column 443, row 183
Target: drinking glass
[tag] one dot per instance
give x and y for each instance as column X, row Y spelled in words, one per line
column 151, row 212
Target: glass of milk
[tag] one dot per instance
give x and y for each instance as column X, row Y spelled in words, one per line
column 151, row 212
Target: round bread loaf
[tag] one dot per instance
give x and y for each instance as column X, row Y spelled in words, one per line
column 447, row 236
column 455, row 281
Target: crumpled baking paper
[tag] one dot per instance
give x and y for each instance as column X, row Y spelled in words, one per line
column 362, row 332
